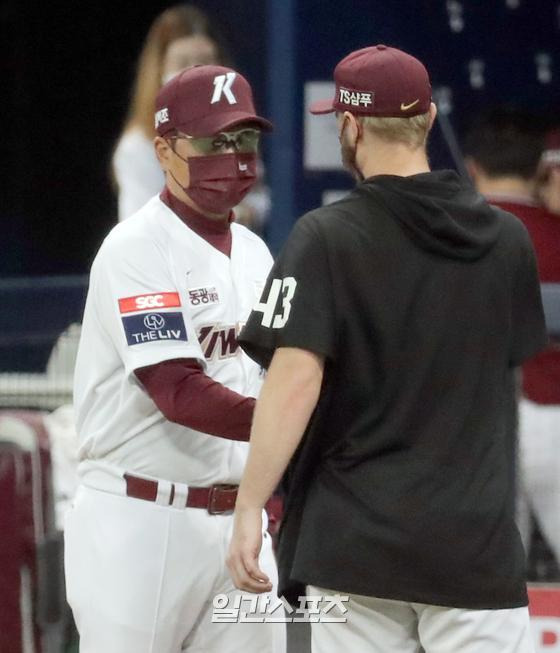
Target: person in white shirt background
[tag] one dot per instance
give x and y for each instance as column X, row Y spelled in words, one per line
column 180, row 37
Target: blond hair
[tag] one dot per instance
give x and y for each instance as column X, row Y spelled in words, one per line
column 410, row 131
column 174, row 23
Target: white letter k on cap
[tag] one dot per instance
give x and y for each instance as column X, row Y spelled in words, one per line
column 222, row 86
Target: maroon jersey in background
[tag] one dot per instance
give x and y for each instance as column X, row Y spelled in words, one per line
column 541, row 374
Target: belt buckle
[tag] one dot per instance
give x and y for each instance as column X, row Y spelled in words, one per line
column 215, row 492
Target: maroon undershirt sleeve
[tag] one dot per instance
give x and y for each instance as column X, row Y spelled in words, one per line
column 187, row 396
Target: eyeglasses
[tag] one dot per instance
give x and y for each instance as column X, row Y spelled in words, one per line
column 243, row 140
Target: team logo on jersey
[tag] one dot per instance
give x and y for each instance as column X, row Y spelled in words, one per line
column 220, row 341
column 150, row 301
column 154, row 326
column 203, row 296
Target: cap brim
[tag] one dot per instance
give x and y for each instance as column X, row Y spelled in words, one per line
column 322, row 106
column 214, row 124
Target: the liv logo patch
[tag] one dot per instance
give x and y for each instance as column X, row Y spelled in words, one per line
column 148, row 327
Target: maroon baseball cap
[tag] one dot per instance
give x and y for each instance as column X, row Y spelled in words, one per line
column 379, row 81
column 204, row 100
column 551, row 155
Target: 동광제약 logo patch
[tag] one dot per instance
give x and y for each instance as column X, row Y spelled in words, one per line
column 203, row 296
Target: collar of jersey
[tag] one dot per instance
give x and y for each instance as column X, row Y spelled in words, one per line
column 199, row 223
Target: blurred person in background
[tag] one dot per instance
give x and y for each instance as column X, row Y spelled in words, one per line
column 548, row 178
column 504, row 149
column 180, row 37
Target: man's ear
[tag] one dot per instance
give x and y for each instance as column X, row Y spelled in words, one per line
column 353, row 126
column 163, row 152
column 433, row 114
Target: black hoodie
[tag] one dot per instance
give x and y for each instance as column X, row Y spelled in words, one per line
column 440, row 213
column 422, row 298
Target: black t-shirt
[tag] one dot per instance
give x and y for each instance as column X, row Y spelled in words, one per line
column 422, row 299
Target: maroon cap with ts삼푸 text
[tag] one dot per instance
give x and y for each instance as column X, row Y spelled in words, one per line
column 205, row 100
column 379, row 81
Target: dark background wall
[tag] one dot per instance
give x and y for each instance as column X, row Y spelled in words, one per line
column 66, row 70
column 506, row 35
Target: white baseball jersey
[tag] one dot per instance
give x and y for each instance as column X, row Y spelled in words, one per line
column 159, row 291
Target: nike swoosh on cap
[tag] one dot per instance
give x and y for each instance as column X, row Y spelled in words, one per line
column 406, row 107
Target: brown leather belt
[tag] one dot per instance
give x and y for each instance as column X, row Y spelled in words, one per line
column 217, row 499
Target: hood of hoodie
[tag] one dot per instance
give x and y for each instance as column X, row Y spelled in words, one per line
column 440, row 212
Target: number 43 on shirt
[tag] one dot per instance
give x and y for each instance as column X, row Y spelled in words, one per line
column 286, row 288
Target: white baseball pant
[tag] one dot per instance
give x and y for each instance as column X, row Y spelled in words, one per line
column 539, row 472
column 141, row 578
column 384, row 626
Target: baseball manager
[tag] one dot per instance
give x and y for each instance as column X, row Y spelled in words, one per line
column 164, row 396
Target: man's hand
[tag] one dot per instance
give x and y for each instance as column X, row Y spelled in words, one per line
column 287, row 400
column 243, row 557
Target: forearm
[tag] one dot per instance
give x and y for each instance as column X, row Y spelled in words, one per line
column 285, row 405
column 187, row 396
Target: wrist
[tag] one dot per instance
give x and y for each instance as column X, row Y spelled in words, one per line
column 246, row 504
